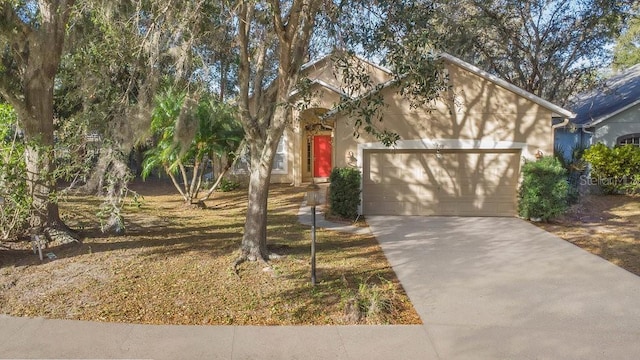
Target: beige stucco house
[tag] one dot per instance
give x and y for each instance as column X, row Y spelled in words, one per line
column 459, row 155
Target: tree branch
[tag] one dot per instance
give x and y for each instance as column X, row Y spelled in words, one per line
column 279, row 26
column 293, row 18
column 9, row 94
column 11, row 22
column 259, row 66
column 245, row 17
column 304, row 36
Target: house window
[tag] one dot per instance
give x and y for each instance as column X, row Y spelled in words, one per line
column 633, row 139
column 243, row 164
column 280, row 160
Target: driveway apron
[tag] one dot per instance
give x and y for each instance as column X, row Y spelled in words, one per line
column 501, row 288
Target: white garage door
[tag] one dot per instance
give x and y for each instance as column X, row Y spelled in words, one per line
column 453, row 182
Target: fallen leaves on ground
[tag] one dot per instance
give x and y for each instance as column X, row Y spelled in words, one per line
column 605, row 225
column 174, row 267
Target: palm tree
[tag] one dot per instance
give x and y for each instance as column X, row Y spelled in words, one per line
column 190, row 131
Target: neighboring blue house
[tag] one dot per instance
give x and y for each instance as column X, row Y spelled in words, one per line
column 609, row 114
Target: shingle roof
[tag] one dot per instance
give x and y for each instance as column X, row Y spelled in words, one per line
column 618, row 93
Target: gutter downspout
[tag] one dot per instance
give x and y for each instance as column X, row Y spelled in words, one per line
column 584, row 130
column 564, row 123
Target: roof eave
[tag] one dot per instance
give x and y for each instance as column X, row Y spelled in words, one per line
column 378, row 88
column 323, row 84
column 612, row 114
column 379, row 67
column 317, row 61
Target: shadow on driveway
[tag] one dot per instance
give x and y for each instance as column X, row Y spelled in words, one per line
column 503, row 288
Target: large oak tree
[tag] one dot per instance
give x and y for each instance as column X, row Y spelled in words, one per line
column 274, row 40
column 270, row 40
column 551, row 48
column 626, row 52
column 270, row 36
column 32, row 38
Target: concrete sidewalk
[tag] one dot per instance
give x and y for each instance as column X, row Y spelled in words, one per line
column 305, row 217
column 39, row 338
column 501, row 288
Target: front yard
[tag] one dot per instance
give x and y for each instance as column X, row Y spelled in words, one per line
column 607, row 226
column 174, row 267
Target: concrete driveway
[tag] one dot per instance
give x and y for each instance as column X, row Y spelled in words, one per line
column 501, row 288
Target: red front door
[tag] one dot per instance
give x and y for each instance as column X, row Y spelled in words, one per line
column 321, row 156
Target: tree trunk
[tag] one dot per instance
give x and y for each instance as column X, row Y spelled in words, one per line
column 37, row 122
column 254, row 239
column 264, row 112
column 35, row 115
column 39, row 166
column 215, row 185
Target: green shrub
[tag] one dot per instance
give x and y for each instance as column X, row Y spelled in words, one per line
column 615, row 170
column 544, row 189
column 228, row 185
column 15, row 202
column 344, row 192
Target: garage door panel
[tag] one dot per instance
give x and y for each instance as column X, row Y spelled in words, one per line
column 487, row 190
column 395, row 175
column 506, row 207
column 399, row 192
column 418, row 182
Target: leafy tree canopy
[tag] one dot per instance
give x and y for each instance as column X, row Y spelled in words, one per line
column 551, row 48
column 626, row 52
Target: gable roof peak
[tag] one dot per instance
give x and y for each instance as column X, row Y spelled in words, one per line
column 557, row 110
column 342, row 51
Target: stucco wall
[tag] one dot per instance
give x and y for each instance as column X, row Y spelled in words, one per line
column 475, row 109
column 624, row 123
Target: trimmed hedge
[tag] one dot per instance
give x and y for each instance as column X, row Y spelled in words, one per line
column 344, row 192
column 544, row 190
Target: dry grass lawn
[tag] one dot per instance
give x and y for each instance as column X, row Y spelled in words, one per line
column 174, row 267
column 608, row 226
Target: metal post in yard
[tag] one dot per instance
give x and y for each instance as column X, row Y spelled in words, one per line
column 313, row 199
column 313, row 245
